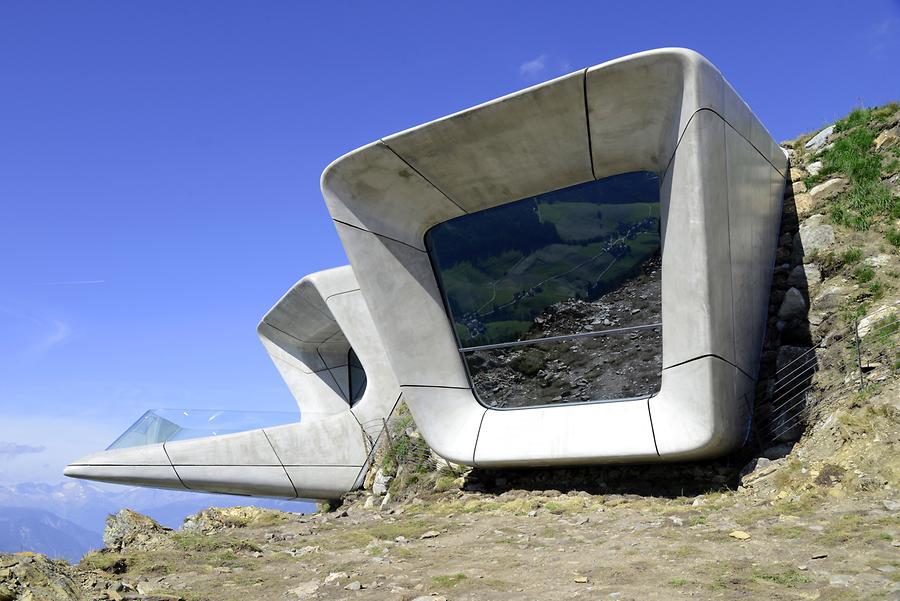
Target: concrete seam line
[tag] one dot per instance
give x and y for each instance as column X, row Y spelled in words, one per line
column 587, row 122
column 420, row 174
column 730, row 261
column 477, row 436
column 177, row 475
column 296, row 492
column 362, row 229
column 652, row 430
column 681, row 137
column 707, row 355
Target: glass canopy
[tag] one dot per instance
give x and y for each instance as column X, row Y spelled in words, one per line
column 166, row 425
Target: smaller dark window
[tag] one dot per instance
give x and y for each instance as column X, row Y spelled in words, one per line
column 357, row 377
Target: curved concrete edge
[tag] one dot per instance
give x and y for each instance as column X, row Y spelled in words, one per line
column 710, row 414
column 324, row 482
column 265, row 462
column 151, row 454
column 152, row 476
column 407, row 309
column 308, row 335
column 667, row 111
column 614, row 432
column 446, row 419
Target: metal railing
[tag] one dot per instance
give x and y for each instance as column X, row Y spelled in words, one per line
column 864, row 357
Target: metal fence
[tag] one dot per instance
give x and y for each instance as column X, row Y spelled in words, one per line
column 861, row 354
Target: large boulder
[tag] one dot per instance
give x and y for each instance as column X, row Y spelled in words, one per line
column 888, row 138
column 805, row 276
column 129, row 529
column 814, row 235
column 381, row 483
column 827, row 188
column 793, row 306
column 814, row 168
column 819, row 140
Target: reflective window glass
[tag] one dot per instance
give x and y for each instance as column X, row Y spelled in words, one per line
column 357, row 377
column 582, row 261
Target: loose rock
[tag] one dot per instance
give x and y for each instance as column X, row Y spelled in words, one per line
column 819, row 140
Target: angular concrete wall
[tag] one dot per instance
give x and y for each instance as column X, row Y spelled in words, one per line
column 667, row 111
column 308, row 335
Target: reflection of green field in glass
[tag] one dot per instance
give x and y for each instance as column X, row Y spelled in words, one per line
column 471, row 288
column 505, row 330
column 580, row 221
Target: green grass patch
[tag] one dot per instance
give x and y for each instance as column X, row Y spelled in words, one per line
column 876, row 290
column 853, row 155
column 362, row 536
column 108, row 562
column 197, row 542
column 857, row 117
column 787, row 531
column 448, row 580
column 893, row 236
column 852, row 255
column 863, row 274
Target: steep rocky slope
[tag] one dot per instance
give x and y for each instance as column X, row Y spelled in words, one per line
column 808, row 510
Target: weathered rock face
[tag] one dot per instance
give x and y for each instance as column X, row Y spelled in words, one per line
column 820, row 139
column 805, row 276
column 814, row 168
column 215, row 519
column 815, row 235
column 888, row 138
column 33, row 577
column 381, row 483
column 828, row 188
column 131, row 530
column 793, row 306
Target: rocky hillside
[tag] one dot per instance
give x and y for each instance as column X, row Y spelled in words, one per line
column 808, row 510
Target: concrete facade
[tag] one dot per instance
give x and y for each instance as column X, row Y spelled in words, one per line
column 668, row 112
column 308, row 335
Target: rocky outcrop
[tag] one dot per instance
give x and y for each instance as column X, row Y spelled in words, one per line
column 820, row 139
column 128, row 529
column 34, row 577
column 215, row 519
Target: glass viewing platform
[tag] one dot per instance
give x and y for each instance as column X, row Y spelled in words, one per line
column 166, row 425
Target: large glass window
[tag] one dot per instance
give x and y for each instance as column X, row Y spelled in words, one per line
column 556, row 298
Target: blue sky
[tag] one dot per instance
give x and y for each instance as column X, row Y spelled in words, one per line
column 160, row 161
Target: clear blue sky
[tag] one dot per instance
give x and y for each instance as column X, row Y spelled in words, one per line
column 160, row 161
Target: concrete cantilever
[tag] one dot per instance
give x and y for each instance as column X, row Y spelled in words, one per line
column 308, row 334
column 505, row 250
column 668, row 112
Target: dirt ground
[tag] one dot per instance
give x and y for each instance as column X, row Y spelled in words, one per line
column 521, row 545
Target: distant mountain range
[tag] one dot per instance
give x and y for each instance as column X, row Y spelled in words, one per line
column 24, row 529
column 66, row 520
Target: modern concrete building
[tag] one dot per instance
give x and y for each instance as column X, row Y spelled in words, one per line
column 575, row 273
column 323, row 342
